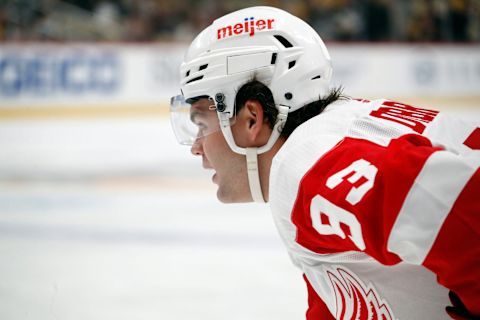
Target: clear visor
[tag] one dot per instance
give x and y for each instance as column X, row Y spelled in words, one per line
column 194, row 119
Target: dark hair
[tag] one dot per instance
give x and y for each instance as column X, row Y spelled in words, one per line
column 256, row 90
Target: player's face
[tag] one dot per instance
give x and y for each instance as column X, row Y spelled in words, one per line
column 230, row 168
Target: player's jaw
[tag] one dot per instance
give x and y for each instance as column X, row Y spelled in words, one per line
column 232, row 183
column 230, row 174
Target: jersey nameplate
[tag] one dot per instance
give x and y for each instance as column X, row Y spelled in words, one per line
column 412, row 117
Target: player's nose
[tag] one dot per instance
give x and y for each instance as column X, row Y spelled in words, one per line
column 197, row 148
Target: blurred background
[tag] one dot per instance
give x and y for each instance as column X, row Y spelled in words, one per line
column 103, row 215
column 156, row 20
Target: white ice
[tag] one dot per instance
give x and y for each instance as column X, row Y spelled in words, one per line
column 111, row 219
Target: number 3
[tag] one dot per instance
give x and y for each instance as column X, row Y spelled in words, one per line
column 336, row 215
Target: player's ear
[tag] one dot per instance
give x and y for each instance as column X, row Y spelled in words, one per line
column 250, row 129
column 254, row 118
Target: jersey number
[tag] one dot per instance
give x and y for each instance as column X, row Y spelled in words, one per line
column 336, row 215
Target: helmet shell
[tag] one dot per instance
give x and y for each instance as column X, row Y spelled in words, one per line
column 267, row 43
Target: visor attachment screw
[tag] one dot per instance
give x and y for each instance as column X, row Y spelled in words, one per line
column 219, row 99
column 288, row 96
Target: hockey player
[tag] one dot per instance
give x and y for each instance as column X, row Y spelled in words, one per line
column 377, row 202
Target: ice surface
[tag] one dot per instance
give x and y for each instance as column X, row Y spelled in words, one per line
column 111, row 219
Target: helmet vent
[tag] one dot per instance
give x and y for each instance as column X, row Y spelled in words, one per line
column 274, row 58
column 316, row 77
column 283, row 41
column 187, row 74
column 291, row 64
column 195, row 79
column 203, row 67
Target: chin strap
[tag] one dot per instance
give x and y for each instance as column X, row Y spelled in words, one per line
column 252, row 153
column 253, row 175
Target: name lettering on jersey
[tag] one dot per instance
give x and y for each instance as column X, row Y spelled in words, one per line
column 248, row 26
column 354, row 299
column 412, row 117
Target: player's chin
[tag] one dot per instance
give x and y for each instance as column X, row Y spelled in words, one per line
column 224, row 197
column 227, row 196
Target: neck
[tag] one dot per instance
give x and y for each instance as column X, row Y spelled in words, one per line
column 265, row 164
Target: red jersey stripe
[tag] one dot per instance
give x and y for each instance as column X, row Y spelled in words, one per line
column 453, row 257
column 428, row 203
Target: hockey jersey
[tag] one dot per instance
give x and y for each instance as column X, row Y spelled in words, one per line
column 378, row 203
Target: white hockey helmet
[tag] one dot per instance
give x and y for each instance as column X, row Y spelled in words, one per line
column 279, row 49
column 272, row 45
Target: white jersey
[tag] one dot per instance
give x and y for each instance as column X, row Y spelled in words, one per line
column 374, row 201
